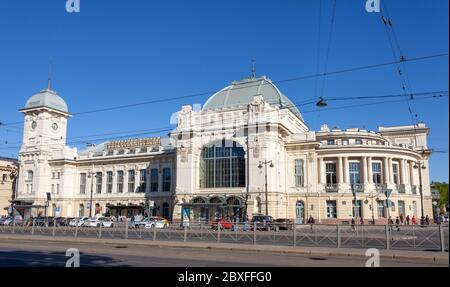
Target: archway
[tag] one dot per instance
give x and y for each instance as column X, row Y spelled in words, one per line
column 216, row 210
column 233, row 209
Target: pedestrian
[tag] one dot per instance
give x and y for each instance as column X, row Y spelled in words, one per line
column 413, row 220
column 311, row 221
column 362, row 221
column 407, row 219
column 397, row 223
column 353, row 224
column 401, row 218
column 427, row 220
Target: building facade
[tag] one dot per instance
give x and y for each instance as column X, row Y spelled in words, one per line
column 247, row 151
column 8, row 172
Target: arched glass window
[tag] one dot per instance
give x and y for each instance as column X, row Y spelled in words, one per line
column 222, row 166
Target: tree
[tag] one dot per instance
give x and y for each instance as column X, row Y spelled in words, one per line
column 442, row 188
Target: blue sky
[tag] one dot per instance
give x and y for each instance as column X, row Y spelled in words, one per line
column 121, row 52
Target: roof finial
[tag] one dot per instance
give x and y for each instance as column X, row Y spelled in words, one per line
column 49, row 80
column 253, row 68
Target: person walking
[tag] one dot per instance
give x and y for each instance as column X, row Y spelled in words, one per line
column 407, row 219
column 353, row 224
column 401, row 219
column 427, row 220
column 397, row 223
column 413, row 220
column 311, row 221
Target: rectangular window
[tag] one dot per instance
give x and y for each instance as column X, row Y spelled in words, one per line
column 381, row 209
column 355, row 173
column 357, row 211
column 401, row 207
column 57, row 188
column 395, row 173
column 131, row 179
column 166, row 179
column 109, row 181
column 58, row 175
column 330, row 142
column 330, row 169
column 299, row 177
column 99, row 177
column 82, row 183
column 376, row 173
column 154, row 180
column 331, row 209
column 53, row 188
column 142, row 180
column 120, row 181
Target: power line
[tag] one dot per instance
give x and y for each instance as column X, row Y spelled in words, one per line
column 348, row 70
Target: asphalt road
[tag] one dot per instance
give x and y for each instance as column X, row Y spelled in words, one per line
column 29, row 253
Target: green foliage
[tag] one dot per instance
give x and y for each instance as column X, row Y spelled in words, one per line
column 442, row 187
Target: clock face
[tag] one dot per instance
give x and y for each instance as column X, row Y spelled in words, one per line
column 33, row 124
column 54, row 126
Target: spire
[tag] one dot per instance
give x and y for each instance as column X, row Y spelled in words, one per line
column 253, row 68
column 49, row 80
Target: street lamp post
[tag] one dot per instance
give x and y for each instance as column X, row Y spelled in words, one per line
column 419, row 165
column 266, row 162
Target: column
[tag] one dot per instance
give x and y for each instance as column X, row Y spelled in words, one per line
column 320, row 169
column 364, row 169
column 369, row 170
column 386, row 171
column 411, row 173
column 406, row 171
column 391, row 176
column 401, row 171
column 346, row 171
column 340, row 170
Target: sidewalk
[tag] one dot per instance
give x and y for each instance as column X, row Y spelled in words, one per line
column 431, row 256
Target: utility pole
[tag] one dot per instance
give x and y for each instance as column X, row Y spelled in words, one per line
column 419, row 165
column 266, row 162
column 91, row 176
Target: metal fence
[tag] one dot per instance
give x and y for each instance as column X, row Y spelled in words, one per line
column 405, row 237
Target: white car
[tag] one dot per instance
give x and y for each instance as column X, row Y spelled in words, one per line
column 157, row 222
column 97, row 221
column 78, row 221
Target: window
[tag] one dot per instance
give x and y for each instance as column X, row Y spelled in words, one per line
column 357, row 208
column 154, row 180
column 4, row 177
column 331, row 209
column 57, row 188
column 120, row 181
column 166, row 210
column 344, row 142
column 401, row 207
column 395, row 173
column 166, row 179
column 131, row 179
column 142, row 179
column 82, row 183
column 58, row 175
column 381, row 209
column 355, row 174
column 330, row 169
column 109, row 181
column 30, row 175
column 358, row 141
column 330, row 142
column 99, row 177
column 376, row 173
column 53, row 188
column 299, row 178
column 53, row 175
column 222, row 166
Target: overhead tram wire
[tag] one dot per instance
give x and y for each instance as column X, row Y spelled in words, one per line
column 171, row 129
column 305, row 77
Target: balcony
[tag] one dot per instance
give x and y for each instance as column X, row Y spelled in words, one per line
column 357, row 187
column 331, row 187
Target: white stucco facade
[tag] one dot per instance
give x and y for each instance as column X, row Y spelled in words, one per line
column 247, row 151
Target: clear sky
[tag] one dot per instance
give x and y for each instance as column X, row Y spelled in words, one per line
column 119, row 52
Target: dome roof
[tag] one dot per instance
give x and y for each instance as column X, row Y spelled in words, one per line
column 241, row 93
column 47, row 98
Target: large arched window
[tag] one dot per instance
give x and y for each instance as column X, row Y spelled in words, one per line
column 222, row 166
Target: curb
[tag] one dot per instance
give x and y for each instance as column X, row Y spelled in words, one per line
column 360, row 253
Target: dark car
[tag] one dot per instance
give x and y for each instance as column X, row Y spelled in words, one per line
column 43, row 221
column 224, row 224
column 284, row 224
column 263, row 222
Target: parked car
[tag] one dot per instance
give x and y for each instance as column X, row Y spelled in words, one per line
column 97, row 221
column 78, row 221
column 224, row 224
column 63, row 221
column 156, row 222
column 5, row 220
column 10, row 221
column 283, row 224
column 43, row 221
column 263, row 222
